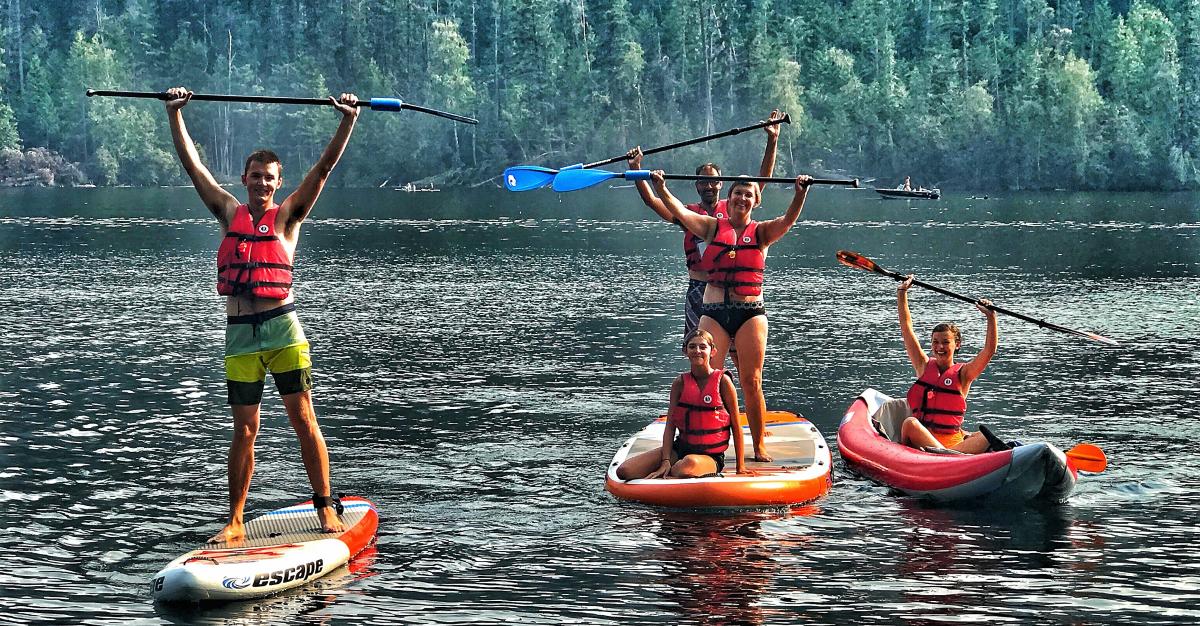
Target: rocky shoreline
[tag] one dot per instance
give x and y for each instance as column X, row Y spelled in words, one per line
column 38, row 167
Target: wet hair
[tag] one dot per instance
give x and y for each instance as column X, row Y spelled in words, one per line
column 747, row 183
column 947, row 327
column 266, row 157
column 714, row 166
column 699, row 334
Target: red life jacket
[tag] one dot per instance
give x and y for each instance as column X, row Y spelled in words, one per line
column 251, row 259
column 736, row 263
column 937, row 399
column 700, row 416
column 692, row 243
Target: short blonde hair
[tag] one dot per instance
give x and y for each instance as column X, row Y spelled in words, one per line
column 747, row 183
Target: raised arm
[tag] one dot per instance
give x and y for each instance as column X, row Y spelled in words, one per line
column 218, row 201
column 768, row 163
column 702, row 226
column 771, row 230
column 916, row 355
column 297, row 205
column 973, row 368
column 634, row 159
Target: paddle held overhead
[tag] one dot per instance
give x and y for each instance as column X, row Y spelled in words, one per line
column 856, row 260
column 529, row 177
column 376, row 104
column 572, row 180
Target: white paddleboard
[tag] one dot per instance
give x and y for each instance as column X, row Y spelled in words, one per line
column 283, row 549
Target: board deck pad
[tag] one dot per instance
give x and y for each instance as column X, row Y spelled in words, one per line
column 283, row 549
column 789, row 452
column 286, row 526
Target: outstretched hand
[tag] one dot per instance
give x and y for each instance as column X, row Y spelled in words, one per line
column 908, row 282
column 773, row 130
column 346, row 103
column 658, row 177
column 177, row 98
column 634, row 158
column 803, row 181
column 984, row 306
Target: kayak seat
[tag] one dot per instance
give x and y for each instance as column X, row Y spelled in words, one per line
column 890, row 418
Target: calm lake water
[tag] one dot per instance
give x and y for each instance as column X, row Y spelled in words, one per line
column 480, row 355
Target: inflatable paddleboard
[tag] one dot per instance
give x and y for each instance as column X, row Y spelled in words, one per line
column 799, row 473
column 283, row 549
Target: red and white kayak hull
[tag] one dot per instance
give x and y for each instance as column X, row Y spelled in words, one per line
column 1033, row 472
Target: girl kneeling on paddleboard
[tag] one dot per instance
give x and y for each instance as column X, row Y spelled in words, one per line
column 704, row 412
column 938, row 400
column 735, row 257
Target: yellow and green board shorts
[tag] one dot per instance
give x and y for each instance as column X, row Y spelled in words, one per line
column 269, row 341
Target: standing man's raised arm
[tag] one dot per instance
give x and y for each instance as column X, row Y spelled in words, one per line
column 634, row 159
column 220, row 202
column 297, row 206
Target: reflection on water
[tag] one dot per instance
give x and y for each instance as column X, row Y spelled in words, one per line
column 479, row 357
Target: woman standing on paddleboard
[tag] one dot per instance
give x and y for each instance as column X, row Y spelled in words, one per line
column 710, row 203
column 704, row 412
column 733, row 309
column 938, row 399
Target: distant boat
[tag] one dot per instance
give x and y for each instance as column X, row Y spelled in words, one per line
column 923, row 194
column 412, row 187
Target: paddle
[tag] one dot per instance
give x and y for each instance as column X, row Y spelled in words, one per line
column 528, row 177
column 854, row 259
column 376, row 104
column 1088, row 458
column 571, row 180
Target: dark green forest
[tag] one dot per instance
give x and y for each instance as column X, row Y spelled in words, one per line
column 968, row 94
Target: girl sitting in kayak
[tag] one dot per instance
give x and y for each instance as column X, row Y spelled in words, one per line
column 735, row 257
column 704, row 412
column 938, row 400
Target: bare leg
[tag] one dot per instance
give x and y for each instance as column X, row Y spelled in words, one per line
column 240, row 470
column 720, row 341
column 694, row 466
column 313, row 452
column 751, row 344
column 975, row 443
column 641, row 465
column 913, row 433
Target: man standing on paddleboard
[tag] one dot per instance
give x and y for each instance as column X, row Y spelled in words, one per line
column 710, row 204
column 254, row 272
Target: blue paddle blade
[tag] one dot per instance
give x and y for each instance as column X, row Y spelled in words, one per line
column 570, row 180
column 527, row 177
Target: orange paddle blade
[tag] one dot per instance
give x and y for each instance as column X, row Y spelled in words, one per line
column 1088, row 458
column 854, row 259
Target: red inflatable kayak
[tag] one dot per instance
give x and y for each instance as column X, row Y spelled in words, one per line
column 1037, row 471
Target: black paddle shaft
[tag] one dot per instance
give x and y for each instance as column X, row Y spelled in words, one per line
column 786, row 119
column 162, row 95
column 1032, row 320
column 842, row 182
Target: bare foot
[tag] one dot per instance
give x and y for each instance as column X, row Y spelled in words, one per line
column 234, row 533
column 761, row 456
column 330, row 523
